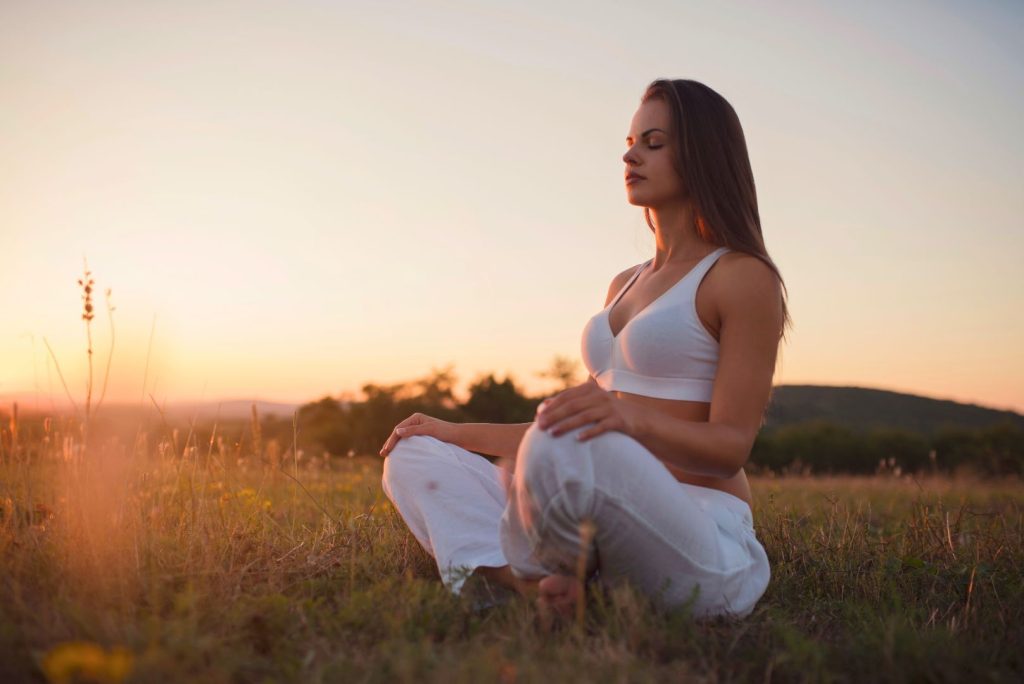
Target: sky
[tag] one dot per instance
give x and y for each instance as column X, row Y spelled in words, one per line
column 292, row 199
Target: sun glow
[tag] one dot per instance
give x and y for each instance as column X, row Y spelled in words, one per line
column 330, row 199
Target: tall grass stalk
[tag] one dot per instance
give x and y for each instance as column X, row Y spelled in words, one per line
column 86, row 283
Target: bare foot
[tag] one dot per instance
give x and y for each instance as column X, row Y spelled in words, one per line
column 557, row 593
column 560, row 593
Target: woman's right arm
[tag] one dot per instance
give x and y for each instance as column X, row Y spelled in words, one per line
column 494, row 439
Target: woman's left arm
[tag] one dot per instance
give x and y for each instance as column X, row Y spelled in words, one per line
column 750, row 308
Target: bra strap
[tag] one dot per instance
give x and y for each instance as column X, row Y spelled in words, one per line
column 629, row 282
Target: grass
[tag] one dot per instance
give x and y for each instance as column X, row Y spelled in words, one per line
column 141, row 564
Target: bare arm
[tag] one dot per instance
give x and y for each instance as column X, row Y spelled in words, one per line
column 751, row 313
column 493, row 439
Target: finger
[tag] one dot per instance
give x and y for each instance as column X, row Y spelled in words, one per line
column 389, row 444
column 411, row 425
column 574, row 421
column 544, row 407
column 398, row 433
column 403, row 429
column 594, row 430
column 555, row 412
column 556, row 400
column 552, row 423
column 411, row 420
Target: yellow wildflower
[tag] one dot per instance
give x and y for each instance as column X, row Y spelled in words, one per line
column 74, row 660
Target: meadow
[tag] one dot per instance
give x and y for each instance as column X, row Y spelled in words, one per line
column 159, row 558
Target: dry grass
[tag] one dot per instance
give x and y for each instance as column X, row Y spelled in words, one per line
column 169, row 560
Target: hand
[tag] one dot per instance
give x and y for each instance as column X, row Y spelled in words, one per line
column 588, row 403
column 419, row 424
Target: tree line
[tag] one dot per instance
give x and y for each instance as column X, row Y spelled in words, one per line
column 818, row 447
column 822, row 447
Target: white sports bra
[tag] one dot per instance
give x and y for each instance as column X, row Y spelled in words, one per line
column 664, row 351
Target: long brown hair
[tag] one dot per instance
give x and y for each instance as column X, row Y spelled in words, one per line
column 711, row 158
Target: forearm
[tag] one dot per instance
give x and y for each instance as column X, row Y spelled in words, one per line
column 493, row 439
column 701, row 448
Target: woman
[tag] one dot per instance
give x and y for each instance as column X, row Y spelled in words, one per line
column 638, row 471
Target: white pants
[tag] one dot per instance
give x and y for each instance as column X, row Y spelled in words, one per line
column 673, row 541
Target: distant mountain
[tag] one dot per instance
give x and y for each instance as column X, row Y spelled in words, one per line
column 862, row 409
column 236, row 409
column 230, row 410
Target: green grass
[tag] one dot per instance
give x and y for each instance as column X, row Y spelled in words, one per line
column 209, row 570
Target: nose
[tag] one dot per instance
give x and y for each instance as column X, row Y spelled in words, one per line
column 629, row 157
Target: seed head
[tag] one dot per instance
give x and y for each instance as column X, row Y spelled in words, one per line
column 86, row 284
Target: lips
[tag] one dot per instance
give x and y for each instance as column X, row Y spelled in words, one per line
column 634, row 176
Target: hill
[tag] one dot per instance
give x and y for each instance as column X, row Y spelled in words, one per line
column 862, row 409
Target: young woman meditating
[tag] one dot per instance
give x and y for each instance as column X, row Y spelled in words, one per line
column 639, row 470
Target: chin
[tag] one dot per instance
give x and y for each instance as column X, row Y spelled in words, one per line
column 636, row 199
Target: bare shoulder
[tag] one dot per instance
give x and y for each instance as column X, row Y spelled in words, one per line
column 745, row 284
column 618, row 282
column 746, row 270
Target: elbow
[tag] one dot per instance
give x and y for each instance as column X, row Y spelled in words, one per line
column 728, row 471
column 736, row 453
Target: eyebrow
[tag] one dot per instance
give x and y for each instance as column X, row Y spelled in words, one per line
column 645, row 133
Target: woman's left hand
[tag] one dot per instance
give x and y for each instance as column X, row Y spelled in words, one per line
column 588, row 403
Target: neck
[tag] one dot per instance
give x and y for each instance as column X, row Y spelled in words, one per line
column 676, row 237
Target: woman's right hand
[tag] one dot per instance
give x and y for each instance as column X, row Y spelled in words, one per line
column 419, row 424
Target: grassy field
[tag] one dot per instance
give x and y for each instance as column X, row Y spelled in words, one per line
column 211, row 568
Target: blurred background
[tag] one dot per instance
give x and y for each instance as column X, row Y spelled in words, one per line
column 293, row 199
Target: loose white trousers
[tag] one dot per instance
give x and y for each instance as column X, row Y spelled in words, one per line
column 676, row 542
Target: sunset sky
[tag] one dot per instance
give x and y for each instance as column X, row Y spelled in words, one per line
column 302, row 197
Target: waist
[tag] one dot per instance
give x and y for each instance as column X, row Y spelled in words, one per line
column 709, row 497
column 735, row 486
column 683, row 409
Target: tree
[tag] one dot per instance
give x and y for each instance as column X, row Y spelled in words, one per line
column 435, row 389
column 324, row 424
column 491, row 401
column 562, row 371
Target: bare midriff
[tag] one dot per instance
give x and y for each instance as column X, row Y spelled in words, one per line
column 698, row 412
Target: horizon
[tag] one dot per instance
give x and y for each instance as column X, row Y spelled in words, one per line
column 6, row 401
column 290, row 202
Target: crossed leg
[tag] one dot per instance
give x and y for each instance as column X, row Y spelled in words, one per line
column 522, row 529
column 452, row 500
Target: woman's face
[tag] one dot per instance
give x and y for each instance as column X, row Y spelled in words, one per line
column 651, row 177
